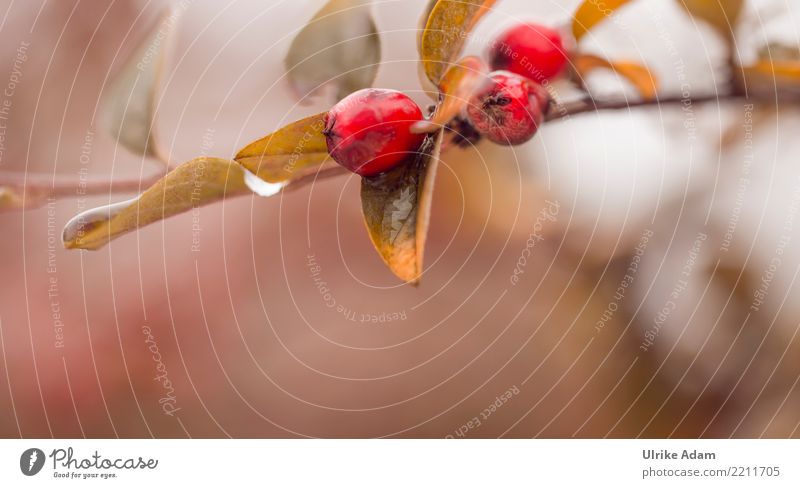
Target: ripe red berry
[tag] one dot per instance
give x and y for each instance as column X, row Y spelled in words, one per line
column 531, row 50
column 509, row 108
column 369, row 131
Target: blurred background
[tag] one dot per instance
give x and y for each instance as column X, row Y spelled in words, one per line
column 625, row 274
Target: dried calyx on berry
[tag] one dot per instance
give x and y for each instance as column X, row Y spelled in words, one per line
column 369, row 131
column 509, row 108
column 530, row 50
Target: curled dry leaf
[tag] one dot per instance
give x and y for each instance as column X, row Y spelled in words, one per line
column 129, row 103
column 396, row 207
column 340, row 46
column 288, row 153
column 591, row 12
column 446, row 30
column 198, row 182
column 639, row 76
column 721, row 14
column 455, row 89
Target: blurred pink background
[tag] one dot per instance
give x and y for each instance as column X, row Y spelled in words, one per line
column 237, row 339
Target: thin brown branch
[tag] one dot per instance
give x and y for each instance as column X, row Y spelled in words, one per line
column 588, row 105
column 38, row 188
column 33, row 191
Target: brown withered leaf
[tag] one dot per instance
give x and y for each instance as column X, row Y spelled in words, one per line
column 639, row 76
column 448, row 26
column 723, row 15
column 129, row 103
column 455, row 89
column 290, row 152
column 339, row 46
column 396, row 207
column 591, row 12
column 195, row 183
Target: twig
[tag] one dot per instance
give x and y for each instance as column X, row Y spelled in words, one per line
column 34, row 190
column 41, row 188
column 68, row 187
column 587, row 105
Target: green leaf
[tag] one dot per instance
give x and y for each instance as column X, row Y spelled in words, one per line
column 593, row 12
column 340, row 46
column 198, row 182
column 396, row 207
column 446, row 30
column 129, row 103
column 290, row 152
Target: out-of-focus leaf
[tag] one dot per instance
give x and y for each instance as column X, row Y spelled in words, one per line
column 592, row 12
column 721, row 14
column 456, row 87
column 287, row 153
column 448, row 26
column 639, row 76
column 396, row 208
column 11, row 198
column 198, row 182
column 779, row 52
column 779, row 78
column 129, row 103
column 339, row 46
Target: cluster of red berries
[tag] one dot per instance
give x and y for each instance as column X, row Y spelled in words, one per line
column 369, row 132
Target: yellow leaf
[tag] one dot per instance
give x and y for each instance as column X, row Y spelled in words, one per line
column 638, row 75
column 448, row 26
column 396, row 207
column 592, row 12
column 456, row 87
column 129, row 103
column 297, row 148
column 198, row 182
column 721, row 14
column 771, row 77
column 340, row 46
column 423, row 21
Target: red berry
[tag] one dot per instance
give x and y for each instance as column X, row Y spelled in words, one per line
column 369, row 131
column 531, row 50
column 509, row 108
